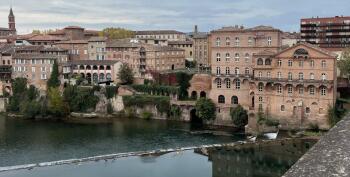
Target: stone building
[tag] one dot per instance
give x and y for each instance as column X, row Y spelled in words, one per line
column 74, row 33
column 11, row 30
column 97, row 48
column 201, row 49
column 6, row 52
column 169, row 35
column 186, row 45
column 77, row 49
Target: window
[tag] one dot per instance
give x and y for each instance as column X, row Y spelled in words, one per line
column 260, row 108
column 43, row 69
column 221, row 99
column 246, row 71
column 227, row 57
column 218, row 72
column 290, row 76
column 312, row 90
column 238, row 84
column 269, row 75
column 260, row 74
column 283, row 108
column 218, row 42
column 301, row 76
column 33, row 69
column 269, row 41
column 279, row 88
column 323, row 91
column 301, row 63
column 312, row 63
column 279, row 75
column 227, row 70
column 290, row 63
column 312, row 76
column 290, row 89
column 247, row 57
column 228, row 83
column 324, row 77
column 218, row 57
column 260, row 87
column 301, row 90
column 236, row 71
column 260, row 99
column 323, row 64
column 250, row 41
column 218, row 83
column 43, row 76
column 234, row 100
column 237, row 41
column 260, row 61
column 268, row 61
column 237, row 57
column 279, row 63
column 228, row 41
column 307, row 110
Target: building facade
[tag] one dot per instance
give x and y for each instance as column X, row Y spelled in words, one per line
column 185, row 45
column 169, row 35
column 77, row 49
column 331, row 33
column 201, row 49
column 97, row 48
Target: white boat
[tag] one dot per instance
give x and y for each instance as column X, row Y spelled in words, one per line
column 271, row 136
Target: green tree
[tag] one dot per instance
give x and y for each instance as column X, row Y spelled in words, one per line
column 239, row 116
column 344, row 63
column 126, row 75
column 19, row 91
column 54, row 78
column 117, row 33
column 206, row 109
column 56, row 106
column 183, row 80
column 32, row 93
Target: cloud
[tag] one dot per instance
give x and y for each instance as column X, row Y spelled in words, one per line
column 165, row 14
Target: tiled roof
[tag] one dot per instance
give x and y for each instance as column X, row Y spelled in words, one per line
column 97, row 39
column 45, row 38
column 179, row 42
column 156, row 32
column 200, row 35
column 73, row 42
column 6, row 48
column 92, row 62
column 121, row 43
column 242, row 29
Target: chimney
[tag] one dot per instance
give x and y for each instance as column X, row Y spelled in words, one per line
column 195, row 29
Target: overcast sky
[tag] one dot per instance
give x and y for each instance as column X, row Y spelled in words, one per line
column 181, row 15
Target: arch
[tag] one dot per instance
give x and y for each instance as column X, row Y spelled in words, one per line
column 301, row 51
column 172, row 67
column 102, row 67
column 88, row 77
column 194, row 95
column 194, row 119
column 101, row 77
column 88, row 67
column 95, row 77
column 81, row 67
column 203, row 94
column 221, row 99
column 267, row 61
column 234, row 100
column 94, row 67
column 260, row 61
column 82, row 75
column 108, row 67
column 109, row 76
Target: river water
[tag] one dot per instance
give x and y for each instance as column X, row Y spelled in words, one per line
column 26, row 142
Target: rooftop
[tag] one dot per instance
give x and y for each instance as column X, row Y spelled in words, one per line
column 121, row 43
column 157, row 32
column 242, row 29
column 180, row 42
column 73, row 42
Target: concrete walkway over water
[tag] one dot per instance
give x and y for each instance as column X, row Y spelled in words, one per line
column 329, row 157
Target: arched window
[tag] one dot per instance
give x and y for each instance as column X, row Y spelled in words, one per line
column 312, row 76
column 290, row 76
column 268, row 74
column 218, row 42
column 218, row 57
column 323, row 64
column 88, row 67
column 279, row 88
column 247, row 57
column 268, row 61
column 237, row 41
column 228, row 43
column 227, row 70
column 236, row 71
column 218, row 70
column 307, row 110
column 301, row 76
column 228, row 83
column 290, row 63
column 260, row 61
column 95, row 77
column 102, row 67
column 279, row 63
column 312, row 90
column 81, row 67
column 238, row 84
column 101, row 77
column 228, row 57
column 261, row 87
column 218, row 83
column 323, row 91
column 94, row 67
column 221, row 99
column 108, row 76
column 108, row 67
column 237, row 57
column 324, row 76
column 234, row 100
column 312, row 63
column 301, row 90
column 260, row 74
column 246, row 71
column 279, row 75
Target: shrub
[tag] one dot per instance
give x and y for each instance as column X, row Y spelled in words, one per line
column 205, row 109
column 183, row 80
column 126, row 75
column 175, row 112
column 110, row 108
column 156, row 89
column 111, row 91
column 239, row 116
column 146, row 115
column 335, row 114
column 130, row 112
column 314, row 127
column 263, row 119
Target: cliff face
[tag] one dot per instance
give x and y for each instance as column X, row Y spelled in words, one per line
column 101, row 106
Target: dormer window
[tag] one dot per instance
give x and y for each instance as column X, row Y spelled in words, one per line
column 301, row 53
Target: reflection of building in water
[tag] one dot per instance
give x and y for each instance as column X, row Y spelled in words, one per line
column 271, row 159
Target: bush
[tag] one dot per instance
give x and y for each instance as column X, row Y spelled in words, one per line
column 263, row 119
column 156, row 89
column 175, row 112
column 111, row 91
column 335, row 114
column 146, row 115
column 110, row 108
column 183, row 80
column 80, row 99
column 314, row 127
column 206, row 109
column 126, row 75
column 239, row 116
column 130, row 112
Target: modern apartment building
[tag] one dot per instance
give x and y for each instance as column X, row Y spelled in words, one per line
column 331, row 33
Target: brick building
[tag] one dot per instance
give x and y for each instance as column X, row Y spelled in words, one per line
column 185, row 45
column 11, row 30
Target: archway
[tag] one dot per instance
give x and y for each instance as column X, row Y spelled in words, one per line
column 194, row 95
column 172, row 67
column 88, row 77
column 195, row 120
column 203, row 94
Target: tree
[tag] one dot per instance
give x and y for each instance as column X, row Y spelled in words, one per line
column 54, row 80
column 32, row 93
column 205, row 109
column 19, row 91
column 239, row 116
column 57, row 106
column 344, row 63
column 183, row 80
column 126, row 75
column 117, row 33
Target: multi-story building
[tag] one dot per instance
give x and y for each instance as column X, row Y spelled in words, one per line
column 6, row 52
column 77, row 49
column 332, row 33
column 186, row 45
column 170, row 35
column 35, row 67
column 201, row 49
column 97, row 48
column 74, row 33
column 11, row 30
